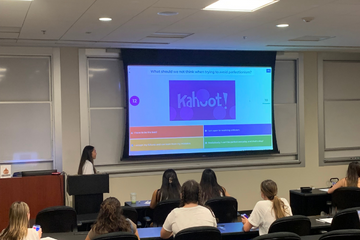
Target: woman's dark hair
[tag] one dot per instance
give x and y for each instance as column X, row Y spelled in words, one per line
column 209, row 185
column 353, row 174
column 110, row 218
column 191, row 193
column 170, row 187
column 86, row 155
column 269, row 189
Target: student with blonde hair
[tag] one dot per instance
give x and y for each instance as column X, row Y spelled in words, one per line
column 18, row 224
column 268, row 210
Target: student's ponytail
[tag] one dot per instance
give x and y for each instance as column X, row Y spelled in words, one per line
column 269, row 189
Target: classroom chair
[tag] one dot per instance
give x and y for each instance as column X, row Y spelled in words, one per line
column 224, row 208
column 199, row 233
column 298, row 224
column 348, row 234
column 346, row 197
column 161, row 210
column 57, row 219
column 279, row 236
column 346, row 219
column 117, row 236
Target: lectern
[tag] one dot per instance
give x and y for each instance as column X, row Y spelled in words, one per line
column 88, row 191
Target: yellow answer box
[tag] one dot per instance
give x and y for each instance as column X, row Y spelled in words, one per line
column 166, row 144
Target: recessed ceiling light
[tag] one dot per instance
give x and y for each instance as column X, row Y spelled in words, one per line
column 282, row 25
column 105, row 19
column 3, row 69
column 239, row 5
column 167, row 13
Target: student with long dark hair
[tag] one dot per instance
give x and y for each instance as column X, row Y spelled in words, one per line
column 18, row 224
column 191, row 212
column 110, row 219
column 170, row 188
column 352, row 178
column 210, row 187
column 268, row 210
column 86, row 165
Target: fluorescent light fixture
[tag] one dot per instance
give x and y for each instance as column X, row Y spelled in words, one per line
column 3, row 69
column 98, row 69
column 239, row 5
column 105, row 19
column 283, row 25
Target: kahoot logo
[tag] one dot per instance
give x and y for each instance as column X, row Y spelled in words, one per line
column 202, row 100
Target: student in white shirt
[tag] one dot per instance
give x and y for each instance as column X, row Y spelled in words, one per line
column 18, row 224
column 191, row 213
column 86, row 165
column 267, row 211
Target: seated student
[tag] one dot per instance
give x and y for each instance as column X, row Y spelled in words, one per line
column 86, row 165
column 352, row 178
column 210, row 187
column 268, row 210
column 18, row 224
column 191, row 212
column 110, row 219
column 170, row 188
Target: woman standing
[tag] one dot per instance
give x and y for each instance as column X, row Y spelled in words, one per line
column 170, row 188
column 86, row 165
column 268, row 210
column 18, row 224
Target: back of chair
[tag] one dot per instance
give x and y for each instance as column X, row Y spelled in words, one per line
column 346, row 219
column 57, row 219
column 117, row 236
column 224, row 208
column 131, row 213
column 298, row 224
column 163, row 209
column 199, row 233
column 349, row 234
column 279, row 236
column 346, row 197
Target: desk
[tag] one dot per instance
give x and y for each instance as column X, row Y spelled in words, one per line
column 38, row 192
column 309, row 204
column 143, row 209
column 229, row 231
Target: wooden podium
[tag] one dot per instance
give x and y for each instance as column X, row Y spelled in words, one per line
column 38, row 192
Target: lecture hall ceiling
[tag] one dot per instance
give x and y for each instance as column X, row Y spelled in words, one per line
column 136, row 23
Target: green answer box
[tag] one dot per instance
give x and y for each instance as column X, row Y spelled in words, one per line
column 237, row 141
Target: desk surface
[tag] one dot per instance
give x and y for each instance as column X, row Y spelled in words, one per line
column 139, row 204
column 315, row 191
column 225, row 229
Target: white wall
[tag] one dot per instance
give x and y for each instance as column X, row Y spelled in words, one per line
column 243, row 184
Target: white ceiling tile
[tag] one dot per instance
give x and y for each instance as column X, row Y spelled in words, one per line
column 120, row 11
column 54, row 16
column 145, row 23
column 9, row 35
column 12, row 14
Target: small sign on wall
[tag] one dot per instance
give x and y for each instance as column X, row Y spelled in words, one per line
column 5, row 171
